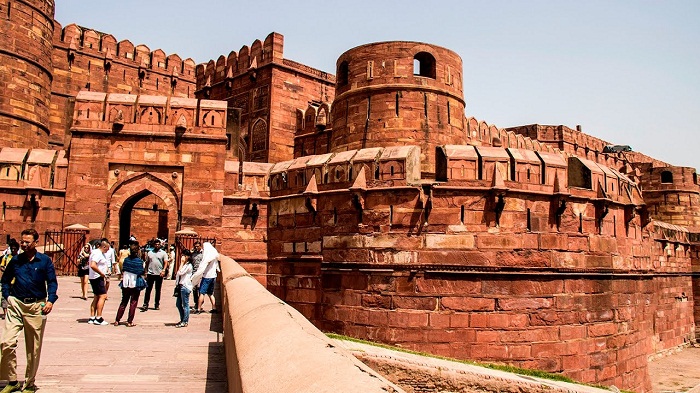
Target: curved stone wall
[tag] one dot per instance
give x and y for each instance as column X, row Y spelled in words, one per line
column 382, row 99
column 518, row 256
column 26, row 31
column 672, row 195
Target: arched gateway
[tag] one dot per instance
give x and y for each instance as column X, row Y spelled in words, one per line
column 145, row 205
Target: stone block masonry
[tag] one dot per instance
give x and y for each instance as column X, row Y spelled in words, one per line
column 366, row 200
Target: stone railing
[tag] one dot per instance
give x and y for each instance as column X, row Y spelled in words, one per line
column 270, row 347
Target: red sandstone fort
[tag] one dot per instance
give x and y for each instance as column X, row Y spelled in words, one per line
column 367, row 199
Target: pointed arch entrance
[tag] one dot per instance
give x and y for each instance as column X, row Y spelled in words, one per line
column 145, row 216
column 144, row 205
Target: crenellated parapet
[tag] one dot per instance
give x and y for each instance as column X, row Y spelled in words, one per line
column 86, row 59
column 247, row 62
column 244, row 62
column 249, row 80
column 77, row 40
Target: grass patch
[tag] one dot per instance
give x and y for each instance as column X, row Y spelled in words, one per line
column 501, row 367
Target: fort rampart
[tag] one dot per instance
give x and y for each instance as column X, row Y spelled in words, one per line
column 368, row 202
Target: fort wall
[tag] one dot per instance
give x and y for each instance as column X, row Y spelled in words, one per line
column 32, row 189
column 88, row 60
column 173, row 148
column 369, row 202
column 264, row 91
column 563, row 267
column 26, row 72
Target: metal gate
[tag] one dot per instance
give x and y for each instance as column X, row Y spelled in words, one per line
column 186, row 242
column 64, row 247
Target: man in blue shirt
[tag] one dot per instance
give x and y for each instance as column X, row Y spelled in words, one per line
column 29, row 284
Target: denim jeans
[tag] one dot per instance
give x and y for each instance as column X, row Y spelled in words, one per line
column 183, row 304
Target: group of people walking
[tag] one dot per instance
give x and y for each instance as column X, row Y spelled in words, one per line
column 29, row 290
column 145, row 269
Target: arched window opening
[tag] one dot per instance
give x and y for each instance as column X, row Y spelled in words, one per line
column 343, row 74
column 424, row 65
column 666, row 177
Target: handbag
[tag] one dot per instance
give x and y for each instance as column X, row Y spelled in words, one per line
column 140, row 283
column 176, row 292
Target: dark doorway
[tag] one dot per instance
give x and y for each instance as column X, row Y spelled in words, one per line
column 144, row 215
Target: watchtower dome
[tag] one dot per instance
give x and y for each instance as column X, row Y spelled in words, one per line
column 399, row 93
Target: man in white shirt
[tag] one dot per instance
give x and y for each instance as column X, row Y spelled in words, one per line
column 206, row 276
column 99, row 266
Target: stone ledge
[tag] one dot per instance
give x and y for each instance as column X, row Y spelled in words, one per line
column 271, row 347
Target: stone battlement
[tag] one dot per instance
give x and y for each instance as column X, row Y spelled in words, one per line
column 248, row 59
column 103, row 46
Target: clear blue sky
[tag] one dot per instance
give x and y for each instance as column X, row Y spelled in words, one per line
column 626, row 71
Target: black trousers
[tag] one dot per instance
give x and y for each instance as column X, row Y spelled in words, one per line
column 150, row 280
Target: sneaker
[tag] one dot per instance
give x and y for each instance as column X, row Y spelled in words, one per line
column 156, row 308
column 11, row 388
column 91, row 321
column 29, row 389
column 101, row 322
column 144, row 308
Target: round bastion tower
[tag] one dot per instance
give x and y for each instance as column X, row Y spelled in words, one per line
column 399, row 93
column 26, row 44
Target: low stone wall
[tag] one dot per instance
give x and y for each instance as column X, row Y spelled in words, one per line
column 270, row 347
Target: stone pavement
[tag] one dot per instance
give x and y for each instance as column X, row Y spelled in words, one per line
column 678, row 372
column 153, row 356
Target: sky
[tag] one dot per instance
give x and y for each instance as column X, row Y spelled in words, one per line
column 628, row 72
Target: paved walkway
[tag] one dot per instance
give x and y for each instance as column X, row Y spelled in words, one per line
column 678, row 372
column 153, row 356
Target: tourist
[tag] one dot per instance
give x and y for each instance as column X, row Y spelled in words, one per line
column 84, row 269
column 124, row 252
column 29, row 284
column 111, row 261
column 196, row 261
column 98, row 277
column 171, row 257
column 206, row 276
column 157, row 261
column 183, row 281
column 132, row 283
column 14, row 249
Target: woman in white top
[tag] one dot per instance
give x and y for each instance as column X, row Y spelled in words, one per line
column 183, row 281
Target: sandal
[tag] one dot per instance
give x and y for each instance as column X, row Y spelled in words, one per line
column 116, row 323
column 130, row 324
